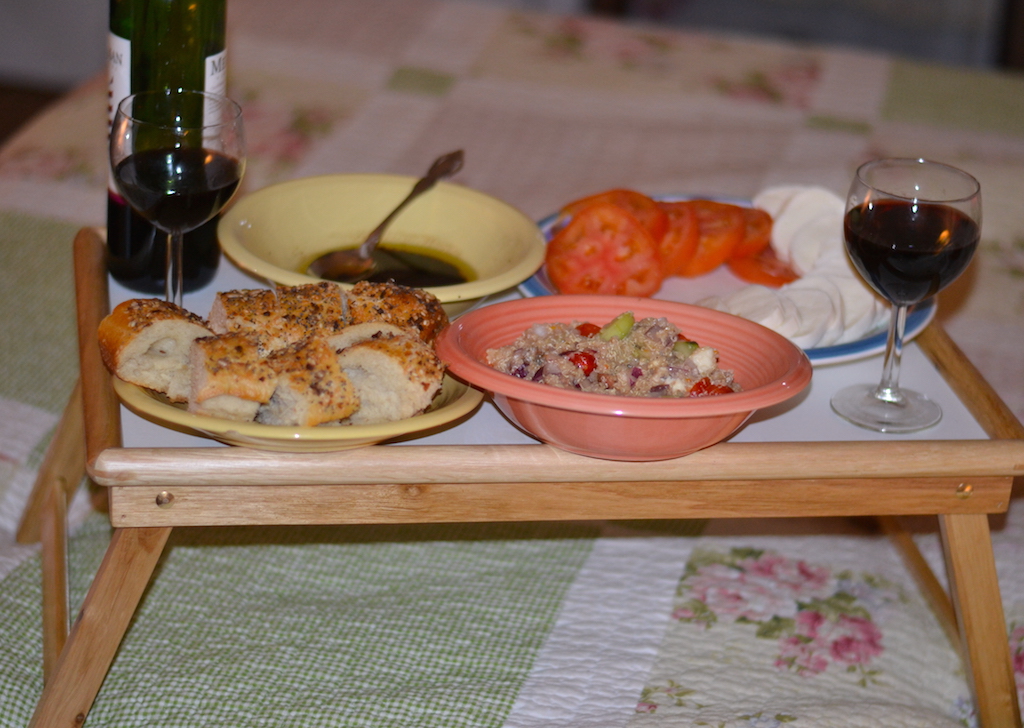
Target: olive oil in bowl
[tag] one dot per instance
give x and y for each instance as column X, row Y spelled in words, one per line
column 413, row 266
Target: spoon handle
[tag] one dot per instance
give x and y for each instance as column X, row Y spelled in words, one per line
column 444, row 166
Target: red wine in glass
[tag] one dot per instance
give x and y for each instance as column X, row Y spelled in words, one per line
column 177, row 157
column 178, row 188
column 911, row 228
column 909, row 252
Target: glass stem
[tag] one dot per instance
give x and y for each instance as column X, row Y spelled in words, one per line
column 173, row 287
column 889, row 388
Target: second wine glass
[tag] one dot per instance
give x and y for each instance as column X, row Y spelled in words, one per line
column 177, row 158
column 911, row 229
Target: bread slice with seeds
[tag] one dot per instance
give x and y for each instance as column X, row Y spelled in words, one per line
column 283, row 316
column 395, row 377
column 410, row 308
column 311, row 387
column 229, row 377
column 146, row 341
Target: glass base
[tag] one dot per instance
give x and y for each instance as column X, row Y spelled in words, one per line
column 860, row 405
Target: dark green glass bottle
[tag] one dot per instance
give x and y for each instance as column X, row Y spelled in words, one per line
column 153, row 45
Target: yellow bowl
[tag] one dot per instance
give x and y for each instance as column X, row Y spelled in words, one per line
column 277, row 231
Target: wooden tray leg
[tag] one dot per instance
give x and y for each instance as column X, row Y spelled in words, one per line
column 933, row 591
column 54, row 538
column 97, row 633
column 45, row 520
column 63, row 466
column 974, row 584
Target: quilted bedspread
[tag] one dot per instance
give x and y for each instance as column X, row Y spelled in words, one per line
column 809, row 622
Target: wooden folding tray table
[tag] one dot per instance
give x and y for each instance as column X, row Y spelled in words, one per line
column 152, row 490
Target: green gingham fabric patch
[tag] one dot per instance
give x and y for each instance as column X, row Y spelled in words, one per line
column 36, row 268
column 344, row 626
column 955, row 98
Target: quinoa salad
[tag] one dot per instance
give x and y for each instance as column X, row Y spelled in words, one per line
column 646, row 358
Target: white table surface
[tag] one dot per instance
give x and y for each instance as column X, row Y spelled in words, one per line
column 808, row 417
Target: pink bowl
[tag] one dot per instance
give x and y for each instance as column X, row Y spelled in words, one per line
column 766, row 365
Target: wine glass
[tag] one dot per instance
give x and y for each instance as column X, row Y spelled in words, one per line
column 911, row 227
column 177, row 157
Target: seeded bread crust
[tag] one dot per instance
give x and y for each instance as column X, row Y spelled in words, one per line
column 283, row 316
column 357, row 333
column 246, row 309
column 311, row 387
column 230, row 378
column 146, row 341
column 319, row 309
column 410, row 308
column 395, row 377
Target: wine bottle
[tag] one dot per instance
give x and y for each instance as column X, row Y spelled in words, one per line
column 154, row 45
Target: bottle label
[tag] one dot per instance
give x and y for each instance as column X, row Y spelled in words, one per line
column 119, row 84
column 119, row 70
column 216, row 79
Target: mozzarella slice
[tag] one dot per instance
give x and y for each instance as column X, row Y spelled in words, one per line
column 792, row 322
column 714, row 302
column 861, row 308
column 817, row 235
column 774, row 200
column 835, row 324
column 817, row 314
column 806, row 206
column 759, row 304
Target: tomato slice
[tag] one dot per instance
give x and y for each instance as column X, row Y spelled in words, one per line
column 764, row 268
column 642, row 207
column 703, row 387
column 757, row 234
column 604, row 250
column 679, row 243
column 722, row 227
column 584, row 361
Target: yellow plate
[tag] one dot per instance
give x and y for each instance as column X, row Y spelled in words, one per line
column 454, row 400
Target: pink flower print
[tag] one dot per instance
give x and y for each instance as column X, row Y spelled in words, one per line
column 1017, row 658
column 791, row 84
column 798, row 578
column 809, row 623
column 798, row 653
column 797, row 82
column 855, row 640
column 40, row 163
column 684, row 613
column 568, row 39
column 281, row 134
column 819, row 641
column 646, row 707
column 803, row 650
column 731, row 592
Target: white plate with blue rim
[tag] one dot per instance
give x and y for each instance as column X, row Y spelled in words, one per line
column 722, row 282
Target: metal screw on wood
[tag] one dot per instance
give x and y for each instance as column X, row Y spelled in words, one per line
column 164, row 499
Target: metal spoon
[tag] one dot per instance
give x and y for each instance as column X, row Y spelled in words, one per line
column 355, row 264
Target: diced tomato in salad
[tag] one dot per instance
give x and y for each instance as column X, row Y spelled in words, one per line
column 704, row 387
